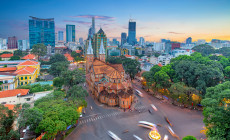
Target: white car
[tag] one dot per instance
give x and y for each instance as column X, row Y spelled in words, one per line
column 166, row 137
column 113, row 136
column 138, row 138
column 154, row 107
column 146, row 124
column 139, row 93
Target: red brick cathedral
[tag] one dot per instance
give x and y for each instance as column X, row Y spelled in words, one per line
column 107, row 82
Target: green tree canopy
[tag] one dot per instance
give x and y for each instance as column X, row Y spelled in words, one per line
column 162, row 79
column 204, row 49
column 58, row 58
column 58, row 67
column 15, row 57
column 155, row 69
column 131, row 66
column 58, row 82
column 39, row 50
column 217, row 111
column 72, row 78
column 225, row 51
column 189, row 138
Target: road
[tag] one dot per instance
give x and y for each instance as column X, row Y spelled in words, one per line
column 96, row 122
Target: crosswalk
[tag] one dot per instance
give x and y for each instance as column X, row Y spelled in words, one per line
column 101, row 116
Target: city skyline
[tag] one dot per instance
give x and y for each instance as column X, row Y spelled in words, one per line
column 174, row 20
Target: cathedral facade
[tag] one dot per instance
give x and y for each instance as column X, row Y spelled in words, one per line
column 107, row 82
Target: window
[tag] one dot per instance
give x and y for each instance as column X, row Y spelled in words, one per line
column 21, row 83
column 25, row 77
column 30, row 77
column 6, row 87
column 114, row 81
column 25, row 82
column 27, row 99
column 123, row 102
column 21, row 78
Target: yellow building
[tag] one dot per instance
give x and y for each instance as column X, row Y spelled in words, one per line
column 27, row 72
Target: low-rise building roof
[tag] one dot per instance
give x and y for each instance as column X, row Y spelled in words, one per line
column 7, row 55
column 29, row 56
column 14, row 92
column 8, row 69
column 28, row 63
column 25, row 71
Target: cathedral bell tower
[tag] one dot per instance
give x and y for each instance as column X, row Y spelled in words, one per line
column 89, row 56
column 102, row 52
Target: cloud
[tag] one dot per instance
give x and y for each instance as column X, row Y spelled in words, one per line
column 174, row 33
column 78, row 21
column 105, row 18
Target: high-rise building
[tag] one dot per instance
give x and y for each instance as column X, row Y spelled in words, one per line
column 3, row 44
column 23, row 45
column 70, row 33
column 81, row 41
column 42, row 31
column 123, row 38
column 97, row 38
column 165, row 41
column 189, row 40
column 92, row 29
column 12, row 42
column 142, row 41
column 60, row 36
column 132, row 32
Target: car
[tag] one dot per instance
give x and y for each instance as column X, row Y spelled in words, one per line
column 113, row 136
column 172, row 132
column 166, row 137
column 146, row 124
column 167, row 120
column 138, row 138
column 154, row 107
column 139, row 93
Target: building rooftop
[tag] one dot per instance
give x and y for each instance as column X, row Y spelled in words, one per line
column 28, row 63
column 29, row 56
column 25, row 70
column 8, row 69
column 15, row 92
column 7, row 55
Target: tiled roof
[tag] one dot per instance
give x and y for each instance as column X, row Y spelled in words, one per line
column 7, row 55
column 114, row 74
column 15, row 92
column 25, row 70
column 8, row 69
column 9, row 106
column 68, row 57
column 128, row 55
column 29, row 56
column 159, row 64
column 28, row 63
column 78, row 51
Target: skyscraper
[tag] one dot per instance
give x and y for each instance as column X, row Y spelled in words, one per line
column 189, row 40
column 123, row 38
column 142, row 41
column 12, row 42
column 132, row 32
column 81, row 41
column 92, row 29
column 60, row 36
column 23, row 45
column 70, row 33
column 42, row 31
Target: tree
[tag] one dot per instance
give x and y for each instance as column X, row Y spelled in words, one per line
column 58, row 58
column 58, row 82
column 216, row 111
column 225, row 51
column 57, row 68
column 148, row 78
column 30, row 117
column 74, row 54
column 227, row 71
column 76, row 92
column 155, row 69
column 114, row 54
column 39, row 50
column 189, row 138
column 161, row 79
column 15, row 57
column 131, row 66
column 204, row 49
column 7, row 118
column 169, row 70
column 72, row 78
column 114, row 60
column 19, row 53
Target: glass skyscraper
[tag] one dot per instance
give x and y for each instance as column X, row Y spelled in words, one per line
column 42, row 31
column 123, row 38
column 70, row 33
column 60, row 36
column 132, row 33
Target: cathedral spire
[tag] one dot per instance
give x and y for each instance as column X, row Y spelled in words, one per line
column 90, row 49
column 102, row 49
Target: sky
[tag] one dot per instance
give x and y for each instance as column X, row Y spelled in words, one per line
column 155, row 19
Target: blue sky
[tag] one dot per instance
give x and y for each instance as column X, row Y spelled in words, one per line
column 156, row 19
